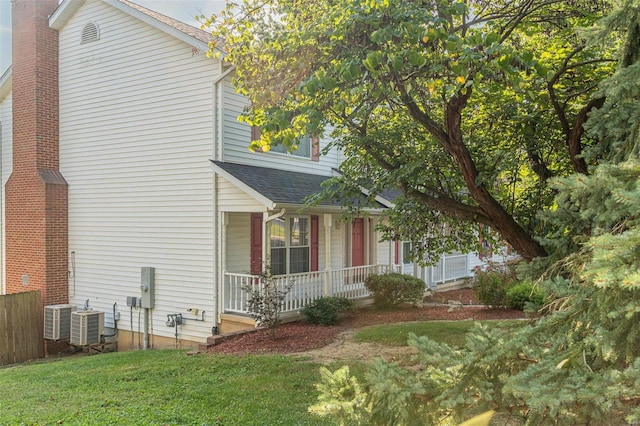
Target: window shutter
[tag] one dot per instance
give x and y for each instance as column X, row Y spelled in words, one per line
column 256, row 243
column 315, row 149
column 314, row 243
column 255, row 133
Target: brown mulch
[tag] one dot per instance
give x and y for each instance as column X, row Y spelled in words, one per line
column 298, row 336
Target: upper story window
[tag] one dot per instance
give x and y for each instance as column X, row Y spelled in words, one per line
column 307, row 148
column 304, row 148
column 90, row 33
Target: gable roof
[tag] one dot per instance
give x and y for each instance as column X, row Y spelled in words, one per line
column 274, row 187
column 193, row 36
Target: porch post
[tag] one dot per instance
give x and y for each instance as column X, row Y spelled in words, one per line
column 327, row 254
column 222, row 255
column 266, row 239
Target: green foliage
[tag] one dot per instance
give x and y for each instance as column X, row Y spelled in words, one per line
column 327, row 310
column 467, row 107
column 525, row 295
column 393, row 289
column 492, row 283
column 159, row 387
column 341, row 397
column 265, row 298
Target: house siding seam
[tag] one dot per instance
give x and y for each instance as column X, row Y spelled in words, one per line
column 6, row 162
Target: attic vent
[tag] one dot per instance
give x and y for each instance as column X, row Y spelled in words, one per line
column 90, row 33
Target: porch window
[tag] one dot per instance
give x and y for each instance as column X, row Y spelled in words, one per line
column 406, row 253
column 290, row 245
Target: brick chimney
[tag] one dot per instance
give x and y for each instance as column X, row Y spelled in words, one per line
column 36, row 193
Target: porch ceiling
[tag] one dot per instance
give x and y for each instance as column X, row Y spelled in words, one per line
column 274, row 187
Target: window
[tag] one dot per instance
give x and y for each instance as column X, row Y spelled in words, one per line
column 406, row 252
column 90, row 33
column 290, row 245
column 304, row 148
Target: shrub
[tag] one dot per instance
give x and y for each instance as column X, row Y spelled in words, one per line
column 525, row 295
column 491, row 285
column 393, row 289
column 327, row 310
column 264, row 301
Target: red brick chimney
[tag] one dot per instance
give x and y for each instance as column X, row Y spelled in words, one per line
column 36, row 193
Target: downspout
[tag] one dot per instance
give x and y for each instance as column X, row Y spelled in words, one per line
column 266, row 246
column 218, row 268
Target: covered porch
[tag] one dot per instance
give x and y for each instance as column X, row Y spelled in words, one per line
column 264, row 226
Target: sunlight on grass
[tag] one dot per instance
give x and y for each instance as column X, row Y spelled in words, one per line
column 160, row 387
column 450, row 332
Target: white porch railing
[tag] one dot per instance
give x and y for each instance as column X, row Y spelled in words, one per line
column 450, row 268
column 305, row 287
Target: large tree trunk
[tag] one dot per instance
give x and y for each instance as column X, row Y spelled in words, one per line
column 502, row 221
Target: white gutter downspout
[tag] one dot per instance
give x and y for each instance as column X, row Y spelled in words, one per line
column 218, row 223
column 266, row 245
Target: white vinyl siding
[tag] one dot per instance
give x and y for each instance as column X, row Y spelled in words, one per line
column 237, row 137
column 232, row 199
column 6, row 164
column 135, row 143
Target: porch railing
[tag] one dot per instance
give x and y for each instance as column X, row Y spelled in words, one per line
column 450, row 268
column 304, row 287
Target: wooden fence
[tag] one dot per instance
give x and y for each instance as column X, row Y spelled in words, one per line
column 21, row 328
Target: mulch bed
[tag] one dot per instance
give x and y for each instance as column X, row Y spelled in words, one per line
column 299, row 337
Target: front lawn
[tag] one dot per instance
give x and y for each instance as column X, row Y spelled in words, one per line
column 160, row 388
column 450, row 332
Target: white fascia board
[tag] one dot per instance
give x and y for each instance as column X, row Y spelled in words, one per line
column 269, row 204
column 365, row 191
column 5, row 84
column 200, row 45
column 63, row 13
column 69, row 7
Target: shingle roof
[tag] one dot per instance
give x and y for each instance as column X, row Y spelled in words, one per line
column 180, row 26
column 279, row 186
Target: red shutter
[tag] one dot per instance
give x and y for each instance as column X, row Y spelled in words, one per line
column 314, row 243
column 315, row 149
column 256, row 243
column 255, row 133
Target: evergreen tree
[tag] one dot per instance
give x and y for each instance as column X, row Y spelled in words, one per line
column 580, row 362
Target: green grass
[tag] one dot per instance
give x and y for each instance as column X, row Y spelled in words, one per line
column 450, row 332
column 160, row 388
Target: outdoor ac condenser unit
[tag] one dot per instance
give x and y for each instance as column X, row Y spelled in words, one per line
column 86, row 327
column 57, row 321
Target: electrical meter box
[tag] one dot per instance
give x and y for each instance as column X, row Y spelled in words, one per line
column 147, row 287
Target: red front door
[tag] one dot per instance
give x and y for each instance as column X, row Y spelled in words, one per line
column 357, row 242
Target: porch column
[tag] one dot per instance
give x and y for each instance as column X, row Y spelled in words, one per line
column 327, row 254
column 222, row 256
column 266, row 243
column 374, row 242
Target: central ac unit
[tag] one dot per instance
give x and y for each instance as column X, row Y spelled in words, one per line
column 86, row 327
column 57, row 321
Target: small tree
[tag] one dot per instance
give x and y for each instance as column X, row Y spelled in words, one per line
column 265, row 300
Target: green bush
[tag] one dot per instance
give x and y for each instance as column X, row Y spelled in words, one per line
column 491, row 284
column 393, row 289
column 327, row 310
column 525, row 295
